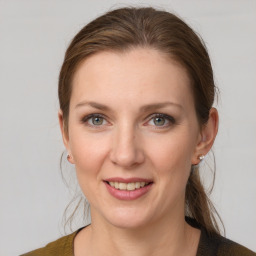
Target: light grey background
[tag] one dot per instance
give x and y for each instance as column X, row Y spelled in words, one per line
column 33, row 37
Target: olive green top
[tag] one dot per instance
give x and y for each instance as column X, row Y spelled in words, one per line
column 215, row 245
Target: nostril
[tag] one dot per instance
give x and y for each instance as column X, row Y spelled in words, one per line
column 127, row 159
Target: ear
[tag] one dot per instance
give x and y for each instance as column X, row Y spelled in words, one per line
column 65, row 137
column 207, row 136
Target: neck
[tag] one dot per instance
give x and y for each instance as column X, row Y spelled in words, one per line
column 173, row 237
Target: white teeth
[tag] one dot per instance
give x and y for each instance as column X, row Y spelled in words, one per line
column 137, row 185
column 122, row 186
column 128, row 186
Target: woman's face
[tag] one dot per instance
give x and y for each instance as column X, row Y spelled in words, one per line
column 133, row 135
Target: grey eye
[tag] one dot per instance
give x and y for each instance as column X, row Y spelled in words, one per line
column 159, row 121
column 97, row 120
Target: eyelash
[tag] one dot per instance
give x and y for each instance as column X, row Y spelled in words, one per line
column 170, row 119
column 85, row 119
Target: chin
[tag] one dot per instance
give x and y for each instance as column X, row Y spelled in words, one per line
column 128, row 219
column 128, row 224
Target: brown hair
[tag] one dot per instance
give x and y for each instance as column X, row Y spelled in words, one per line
column 126, row 28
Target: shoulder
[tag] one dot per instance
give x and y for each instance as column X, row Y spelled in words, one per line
column 63, row 246
column 221, row 246
column 228, row 247
column 217, row 245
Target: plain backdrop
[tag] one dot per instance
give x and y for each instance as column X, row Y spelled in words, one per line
column 33, row 37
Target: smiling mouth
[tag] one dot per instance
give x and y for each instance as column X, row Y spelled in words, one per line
column 128, row 186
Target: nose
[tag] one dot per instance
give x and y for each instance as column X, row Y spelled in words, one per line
column 127, row 149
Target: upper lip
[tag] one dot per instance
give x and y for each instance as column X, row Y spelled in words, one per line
column 127, row 180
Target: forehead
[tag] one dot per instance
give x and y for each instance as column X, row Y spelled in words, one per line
column 137, row 73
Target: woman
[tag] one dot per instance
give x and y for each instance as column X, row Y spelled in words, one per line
column 136, row 91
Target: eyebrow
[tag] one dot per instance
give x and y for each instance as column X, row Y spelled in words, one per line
column 145, row 108
column 92, row 104
column 153, row 106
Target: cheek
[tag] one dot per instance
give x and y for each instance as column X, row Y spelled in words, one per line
column 173, row 150
column 89, row 151
column 172, row 161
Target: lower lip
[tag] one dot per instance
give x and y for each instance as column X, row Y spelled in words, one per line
column 128, row 194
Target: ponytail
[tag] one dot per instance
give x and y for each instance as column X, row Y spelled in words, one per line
column 199, row 205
